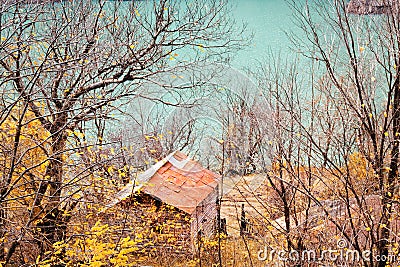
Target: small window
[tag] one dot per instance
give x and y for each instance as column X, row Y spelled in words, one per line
column 202, row 208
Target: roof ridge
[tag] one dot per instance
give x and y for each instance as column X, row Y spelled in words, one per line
column 180, row 164
column 146, row 175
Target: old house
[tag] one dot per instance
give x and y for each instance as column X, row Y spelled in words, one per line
column 177, row 197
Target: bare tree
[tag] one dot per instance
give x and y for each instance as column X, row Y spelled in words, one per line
column 72, row 65
column 347, row 132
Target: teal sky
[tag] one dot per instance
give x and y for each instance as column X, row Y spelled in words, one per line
column 268, row 20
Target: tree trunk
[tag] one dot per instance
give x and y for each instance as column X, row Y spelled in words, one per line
column 52, row 224
column 388, row 193
column 2, row 232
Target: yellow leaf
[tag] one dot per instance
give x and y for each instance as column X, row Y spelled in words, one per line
column 78, row 134
column 137, row 12
column 201, row 47
column 110, row 169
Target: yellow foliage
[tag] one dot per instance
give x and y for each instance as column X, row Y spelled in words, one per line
column 357, row 172
column 99, row 248
column 31, row 160
column 357, row 165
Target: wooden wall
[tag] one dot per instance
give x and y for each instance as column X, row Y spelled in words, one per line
column 204, row 219
column 162, row 228
column 165, row 227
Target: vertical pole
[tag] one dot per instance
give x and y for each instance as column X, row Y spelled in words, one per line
column 219, row 198
column 243, row 224
column 2, row 232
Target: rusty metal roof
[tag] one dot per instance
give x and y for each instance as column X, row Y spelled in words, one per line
column 176, row 180
column 181, row 182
